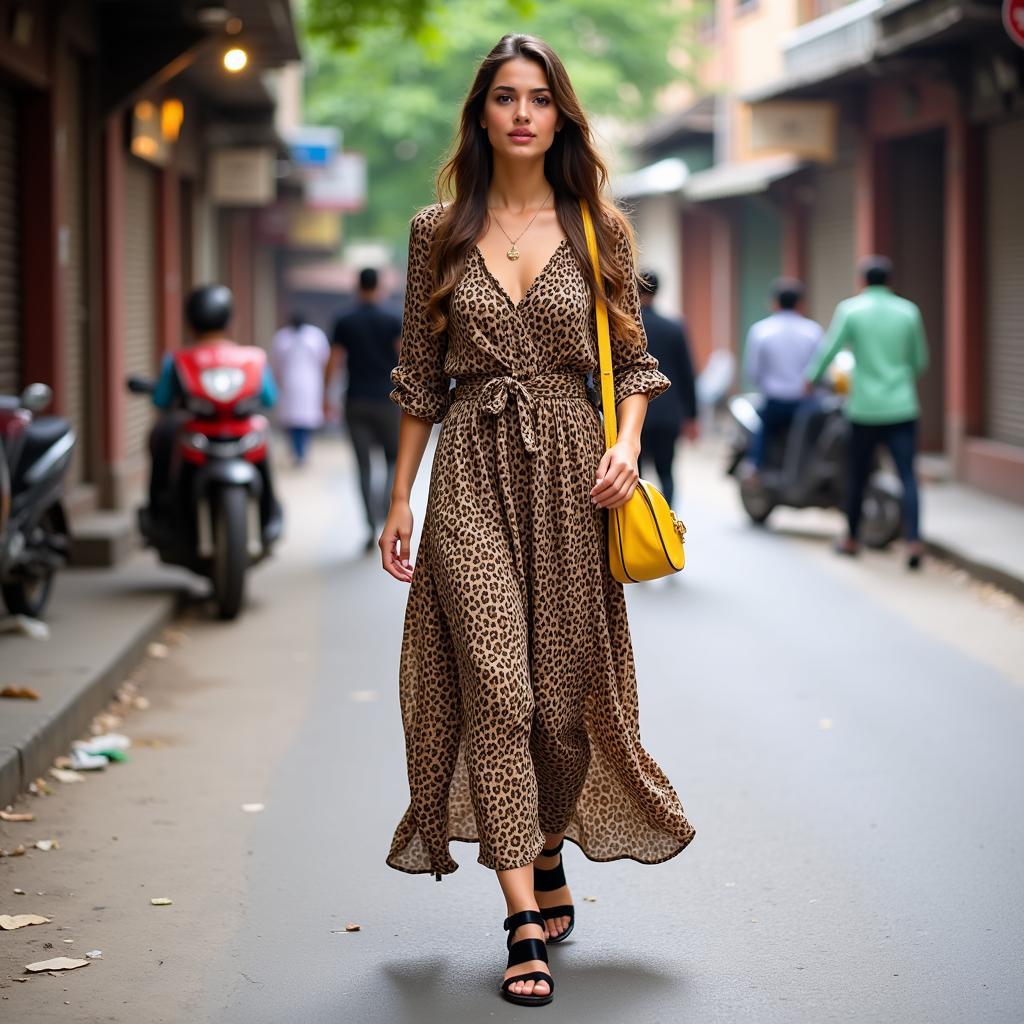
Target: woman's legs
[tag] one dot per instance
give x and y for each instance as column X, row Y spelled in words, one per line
column 517, row 886
column 556, row 897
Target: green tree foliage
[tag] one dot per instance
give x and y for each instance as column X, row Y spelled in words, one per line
column 396, row 91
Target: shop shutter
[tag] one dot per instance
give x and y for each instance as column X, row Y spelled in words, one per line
column 1004, row 274
column 140, row 307
column 10, row 248
column 75, row 291
column 831, row 243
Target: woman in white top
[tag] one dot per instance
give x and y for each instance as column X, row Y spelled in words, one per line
column 298, row 357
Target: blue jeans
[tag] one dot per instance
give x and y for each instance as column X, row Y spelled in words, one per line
column 299, row 437
column 901, row 440
column 776, row 415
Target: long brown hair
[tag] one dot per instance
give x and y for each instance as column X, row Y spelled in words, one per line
column 572, row 167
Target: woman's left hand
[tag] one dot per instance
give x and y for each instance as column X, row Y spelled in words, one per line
column 616, row 476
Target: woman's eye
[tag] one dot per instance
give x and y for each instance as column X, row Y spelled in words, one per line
column 543, row 100
column 502, row 97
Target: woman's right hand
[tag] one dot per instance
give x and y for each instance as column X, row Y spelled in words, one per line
column 394, row 542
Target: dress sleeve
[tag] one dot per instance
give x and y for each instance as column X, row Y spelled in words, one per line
column 421, row 384
column 635, row 369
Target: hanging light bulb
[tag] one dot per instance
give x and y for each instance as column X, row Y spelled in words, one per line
column 235, row 59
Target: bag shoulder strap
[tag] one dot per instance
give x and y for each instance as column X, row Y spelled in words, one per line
column 604, row 343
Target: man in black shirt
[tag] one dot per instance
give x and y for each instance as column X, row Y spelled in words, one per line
column 368, row 336
column 676, row 410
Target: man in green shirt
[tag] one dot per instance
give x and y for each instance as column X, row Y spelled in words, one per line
column 886, row 336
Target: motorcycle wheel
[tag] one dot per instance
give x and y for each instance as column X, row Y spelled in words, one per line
column 756, row 503
column 30, row 595
column 882, row 518
column 231, row 554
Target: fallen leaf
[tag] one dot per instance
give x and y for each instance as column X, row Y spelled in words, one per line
column 19, row 892
column 252, row 808
column 161, row 901
column 590, row 899
column 9, row 922
column 40, row 787
column 16, row 852
column 19, row 693
column 58, row 963
column 16, row 816
column 158, row 651
column 353, row 927
column 47, row 844
column 66, row 775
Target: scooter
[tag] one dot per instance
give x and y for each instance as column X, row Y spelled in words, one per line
column 805, row 466
column 35, row 542
column 218, row 515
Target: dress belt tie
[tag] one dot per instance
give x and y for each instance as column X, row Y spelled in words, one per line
column 494, row 397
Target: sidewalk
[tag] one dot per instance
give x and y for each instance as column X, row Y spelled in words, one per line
column 100, row 622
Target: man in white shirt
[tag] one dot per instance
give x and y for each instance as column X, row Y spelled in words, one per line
column 779, row 349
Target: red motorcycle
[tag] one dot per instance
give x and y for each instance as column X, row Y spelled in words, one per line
column 217, row 514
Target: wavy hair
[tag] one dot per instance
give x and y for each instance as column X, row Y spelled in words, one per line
column 572, row 166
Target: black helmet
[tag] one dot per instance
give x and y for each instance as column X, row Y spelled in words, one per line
column 209, row 308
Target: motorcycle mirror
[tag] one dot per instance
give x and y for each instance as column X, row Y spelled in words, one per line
column 141, row 386
column 36, row 397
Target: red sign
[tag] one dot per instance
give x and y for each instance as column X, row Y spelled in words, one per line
column 1013, row 19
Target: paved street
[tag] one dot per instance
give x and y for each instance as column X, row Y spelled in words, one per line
column 846, row 739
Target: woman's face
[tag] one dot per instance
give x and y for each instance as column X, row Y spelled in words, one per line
column 519, row 112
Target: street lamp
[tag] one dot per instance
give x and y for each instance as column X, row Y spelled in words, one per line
column 235, row 59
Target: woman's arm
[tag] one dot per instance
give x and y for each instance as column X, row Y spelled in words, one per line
column 395, row 538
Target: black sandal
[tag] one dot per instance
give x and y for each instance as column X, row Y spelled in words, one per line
column 521, row 951
column 548, row 880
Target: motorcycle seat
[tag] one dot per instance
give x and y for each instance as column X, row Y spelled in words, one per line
column 42, row 432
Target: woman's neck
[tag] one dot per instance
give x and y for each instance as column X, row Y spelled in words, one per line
column 516, row 187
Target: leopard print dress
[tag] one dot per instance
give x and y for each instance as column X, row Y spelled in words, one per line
column 517, row 684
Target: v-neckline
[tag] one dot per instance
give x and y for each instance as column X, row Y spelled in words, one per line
column 533, row 284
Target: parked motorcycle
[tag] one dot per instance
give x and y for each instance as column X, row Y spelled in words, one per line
column 35, row 542
column 218, row 515
column 805, row 465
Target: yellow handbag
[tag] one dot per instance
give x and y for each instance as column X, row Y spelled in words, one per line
column 645, row 539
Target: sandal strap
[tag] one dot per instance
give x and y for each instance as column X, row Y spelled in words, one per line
column 532, row 976
column 549, row 879
column 565, row 911
column 527, row 949
column 523, row 917
column 556, row 850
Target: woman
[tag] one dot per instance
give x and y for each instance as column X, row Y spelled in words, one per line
column 517, row 686
column 299, row 354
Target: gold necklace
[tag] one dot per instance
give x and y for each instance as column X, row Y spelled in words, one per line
column 513, row 252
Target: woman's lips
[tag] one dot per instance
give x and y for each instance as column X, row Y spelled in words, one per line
column 521, row 137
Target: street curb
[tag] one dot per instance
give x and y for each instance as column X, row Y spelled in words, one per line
column 33, row 755
column 980, row 571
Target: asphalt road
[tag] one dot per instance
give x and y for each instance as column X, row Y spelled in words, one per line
column 846, row 739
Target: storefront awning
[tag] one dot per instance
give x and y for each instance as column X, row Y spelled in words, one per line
column 730, row 180
column 666, row 177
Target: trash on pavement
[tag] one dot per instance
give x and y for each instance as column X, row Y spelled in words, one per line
column 589, row 899
column 66, row 775
column 252, row 808
column 105, row 744
column 58, row 963
column 16, row 852
column 40, row 787
column 68, row 941
column 19, row 693
column 157, row 650
column 47, row 844
column 94, row 954
column 26, row 626
column 350, row 927
column 16, row 816
column 82, row 761
column 161, row 901
column 19, row 892
column 11, row 921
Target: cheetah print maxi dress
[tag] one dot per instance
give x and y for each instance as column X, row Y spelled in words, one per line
column 517, row 684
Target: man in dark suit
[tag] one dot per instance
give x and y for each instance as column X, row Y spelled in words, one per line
column 675, row 412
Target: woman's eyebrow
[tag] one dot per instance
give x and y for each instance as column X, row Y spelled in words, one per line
column 512, row 88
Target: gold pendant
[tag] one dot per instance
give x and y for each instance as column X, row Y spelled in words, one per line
column 513, row 253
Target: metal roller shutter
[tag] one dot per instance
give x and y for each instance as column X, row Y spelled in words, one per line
column 10, row 248
column 139, row 294
column 1004, row 351
column 75, row 291
column 831, row 248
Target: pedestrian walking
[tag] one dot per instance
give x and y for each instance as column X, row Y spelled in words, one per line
column 886, row 335
column 298, row 354
column 517, row 684
column 778, row 351
column 368, row 338
column 676, row 413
